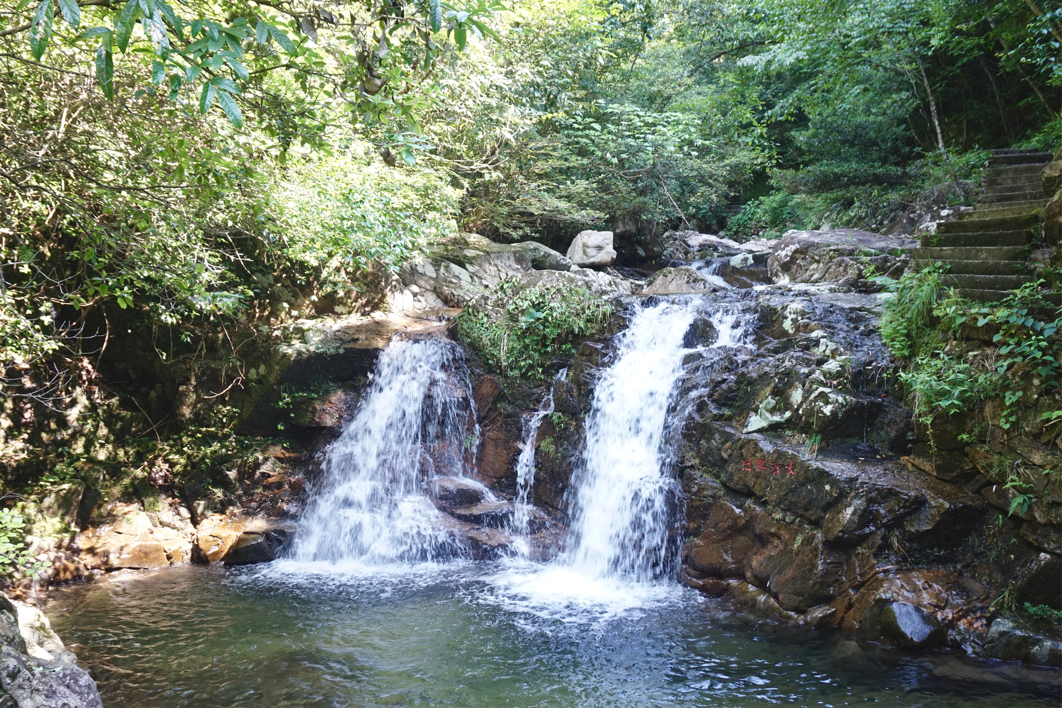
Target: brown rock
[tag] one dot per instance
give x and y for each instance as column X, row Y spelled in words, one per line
column 1047, row 538
column 725, row 547
column 485, row 393
column 107, row 548
column 943, row 464
column 495, row 454
column 215, row 535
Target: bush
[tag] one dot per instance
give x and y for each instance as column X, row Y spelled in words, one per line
column 520, row 331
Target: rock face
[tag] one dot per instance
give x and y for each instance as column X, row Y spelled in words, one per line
column 216, row 534
column 592, row 249
column 36, row 671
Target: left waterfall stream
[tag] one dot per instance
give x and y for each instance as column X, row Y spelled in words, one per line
column 370, row 504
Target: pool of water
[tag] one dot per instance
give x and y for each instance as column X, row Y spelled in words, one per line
column 499, row 634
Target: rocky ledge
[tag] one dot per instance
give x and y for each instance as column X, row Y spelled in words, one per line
column 36, row 670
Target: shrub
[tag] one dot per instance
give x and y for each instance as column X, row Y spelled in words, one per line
column 520, row 331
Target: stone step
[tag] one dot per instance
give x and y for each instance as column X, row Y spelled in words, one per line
column 1023, row 158
column 969, row 281
column 978, row 267
column 998, row 295
column 968, row 253
column 1013, row 151
column 1008, row 193
column 1028, row 206
column 983, row 238
column 983, row 224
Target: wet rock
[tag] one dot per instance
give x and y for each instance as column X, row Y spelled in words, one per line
column 487, row 543
column 1034, row 452
column 903, row 625
column 262, row 541
column 1009, row 641
column 215, row 535
column 592, row 249
column 486, row 513
column 724, row 549
column 456, row 491
column 36, row 671
column 678, row 281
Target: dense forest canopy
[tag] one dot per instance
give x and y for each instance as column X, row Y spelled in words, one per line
column 165, row 167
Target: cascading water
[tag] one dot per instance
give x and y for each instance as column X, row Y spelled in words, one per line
column 370, row 505
column 623, row 500
column 525, row 478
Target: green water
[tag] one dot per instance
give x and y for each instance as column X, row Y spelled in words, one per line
column 482, row 635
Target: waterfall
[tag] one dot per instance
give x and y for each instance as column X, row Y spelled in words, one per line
column 369, row 505
column 622, row 499
column 525, row 477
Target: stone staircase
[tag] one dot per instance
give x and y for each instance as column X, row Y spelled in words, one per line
column 985, row 250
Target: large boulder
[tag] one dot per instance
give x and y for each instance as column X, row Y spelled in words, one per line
column 679, row 281
column 592, row 249
column 836, row 255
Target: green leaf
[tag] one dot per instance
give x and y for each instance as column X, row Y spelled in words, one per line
column 71, row 12
column 93, row 32
column 461, row 37
column 148, row 6
column 126, row 22
column 191, row 73
column 197, row 26
column 105, row 69
column 238, row 68
column 225, row 84
column 158, row 72
column 172, row 18
column 231, row 110
column 261, row 33
column 282, row 39
column 408, row 157
column 41, row 28
column 435, row 15
column 206, row 98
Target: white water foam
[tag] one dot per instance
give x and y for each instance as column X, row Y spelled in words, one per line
column 370, row 507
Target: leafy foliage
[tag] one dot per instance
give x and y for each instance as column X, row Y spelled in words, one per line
column 525, row 329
